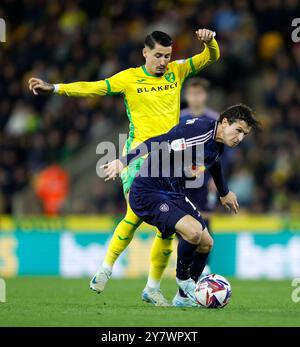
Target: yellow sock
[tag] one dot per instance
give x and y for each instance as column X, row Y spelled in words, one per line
column 122, row 236
column 161, row 251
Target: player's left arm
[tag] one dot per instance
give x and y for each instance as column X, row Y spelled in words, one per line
column 228, row 199
column 209, row 55
column 211, row 52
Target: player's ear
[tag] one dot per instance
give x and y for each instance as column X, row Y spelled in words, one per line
column 225, row 121
column 145, row 51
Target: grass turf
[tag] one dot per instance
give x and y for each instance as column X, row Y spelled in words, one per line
column 53, row 301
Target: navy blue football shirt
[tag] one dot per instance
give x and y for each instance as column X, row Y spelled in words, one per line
column 187, row 148
column 200, row 197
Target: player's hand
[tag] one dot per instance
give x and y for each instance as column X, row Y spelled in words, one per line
column 229, row 201
column 38, row 86
column 205, row 35
column 112, row 169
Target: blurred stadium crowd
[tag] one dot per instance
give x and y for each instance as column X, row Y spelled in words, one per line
column 65, row 41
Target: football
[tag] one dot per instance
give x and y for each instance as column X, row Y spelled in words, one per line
column 213, row 291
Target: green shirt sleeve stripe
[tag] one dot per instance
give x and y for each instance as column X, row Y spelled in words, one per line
column 108, row 87
column 109, row 92
column 192, row 65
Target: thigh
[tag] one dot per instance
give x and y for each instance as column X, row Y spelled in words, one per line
column 155, row 209
column 131, row 217
column 191, row 210
column 164, row 213
column 129, row 173
column 188, row 226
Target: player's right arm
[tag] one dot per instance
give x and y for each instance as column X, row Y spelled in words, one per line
column 228, row 199
column 113, row 168
column 109, row 86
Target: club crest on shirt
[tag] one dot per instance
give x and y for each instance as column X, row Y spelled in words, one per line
column 178, row 145
column 164, row 207
column 170, row 77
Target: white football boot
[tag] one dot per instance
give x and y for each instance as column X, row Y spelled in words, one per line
column 183, row 301
column 154, row 296
column 188, row 286
column 98, row 282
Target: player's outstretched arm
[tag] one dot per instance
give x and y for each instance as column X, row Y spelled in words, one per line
column 37, row 86
column 211, row 52
column 81, row 89
column 113, row 85
column 209, row 55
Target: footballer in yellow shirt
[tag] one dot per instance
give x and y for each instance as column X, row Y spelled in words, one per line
column 152, row 97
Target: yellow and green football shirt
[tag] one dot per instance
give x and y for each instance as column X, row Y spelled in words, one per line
column 152, row 103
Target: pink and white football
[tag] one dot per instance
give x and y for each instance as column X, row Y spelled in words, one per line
column 213, row 291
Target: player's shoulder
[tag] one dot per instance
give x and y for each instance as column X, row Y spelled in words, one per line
column 133, row 70
column 180, row 61
column 129, row 71
column 138, row 72
column 205, row 122
column 202, row 121
column 119, row 75
column 175, row 64
column 203, row 127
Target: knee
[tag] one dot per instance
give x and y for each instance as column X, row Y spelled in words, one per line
column 206, row 247
column 194, row 236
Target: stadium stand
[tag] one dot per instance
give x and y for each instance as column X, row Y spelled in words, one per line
column 68, row 41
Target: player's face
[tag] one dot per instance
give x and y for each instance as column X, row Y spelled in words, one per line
column 233, row 134
column 196, row 97
column 157, row 59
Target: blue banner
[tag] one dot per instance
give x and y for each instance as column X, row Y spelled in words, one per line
column 245, row 255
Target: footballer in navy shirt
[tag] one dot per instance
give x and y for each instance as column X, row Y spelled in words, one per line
column 157, row 194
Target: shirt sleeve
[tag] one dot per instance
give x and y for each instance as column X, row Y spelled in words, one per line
column 191, row 66
column 113, row 85
column 82, row 88
column 219, row 179
column 116, row 84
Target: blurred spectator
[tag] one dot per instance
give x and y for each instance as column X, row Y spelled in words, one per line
column 52, row 187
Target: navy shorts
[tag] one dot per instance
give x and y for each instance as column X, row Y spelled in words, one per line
column 162, row 209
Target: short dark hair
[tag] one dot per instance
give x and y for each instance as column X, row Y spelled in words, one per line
column 240, row 112
column 197, row 82
column 159, row 37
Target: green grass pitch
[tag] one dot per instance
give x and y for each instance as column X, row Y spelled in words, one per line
column 53, row 301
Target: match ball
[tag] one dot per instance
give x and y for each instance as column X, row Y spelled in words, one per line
column 213, row 291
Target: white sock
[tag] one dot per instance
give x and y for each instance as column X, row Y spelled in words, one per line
column 153, row 283
column 106, row 266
